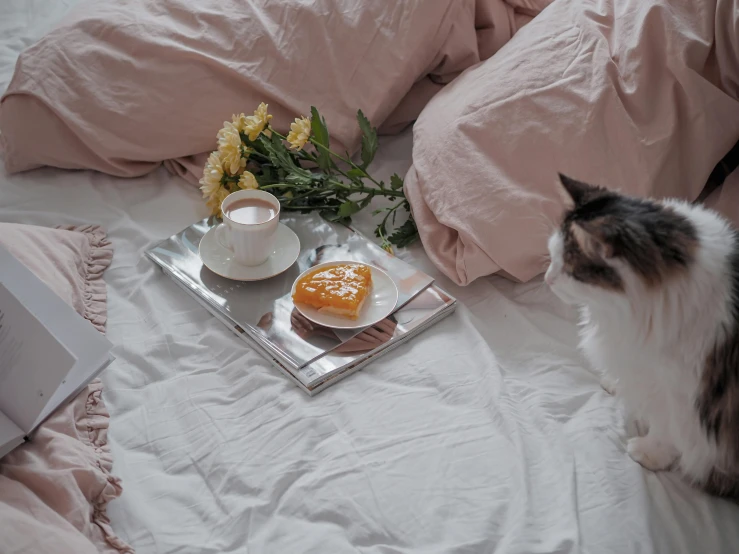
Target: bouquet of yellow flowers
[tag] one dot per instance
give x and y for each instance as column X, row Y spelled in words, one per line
column 303, row 172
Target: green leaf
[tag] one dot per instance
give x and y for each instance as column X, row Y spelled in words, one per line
column 369, row 139
column 318, row 127
column 318, row 176
column 365, row 201
column 266, row 175
column 356, row 172
column 275, row 149
column 299, row 178
column 331, row 215
column 407, row 240
column 396, row 182
column 257, row 145
column 348, row 208
column 404, row 235
column 268, row 172
column 320, row 135
column 282, row 159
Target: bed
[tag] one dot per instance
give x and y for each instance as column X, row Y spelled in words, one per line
column 488, row 433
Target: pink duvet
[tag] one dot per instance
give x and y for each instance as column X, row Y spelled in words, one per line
column 123, row 86
column 637, row 95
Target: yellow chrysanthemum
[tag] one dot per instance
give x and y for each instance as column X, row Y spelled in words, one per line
column 212, row 175
column 248, row 181
column 255, row 124
column 215, row 201
column 299, row 133
column 229, row 145
column 239, row 121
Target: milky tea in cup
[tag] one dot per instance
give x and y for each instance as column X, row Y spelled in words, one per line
column 250, row 220
column 250, row 211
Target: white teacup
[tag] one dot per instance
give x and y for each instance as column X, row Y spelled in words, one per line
column 253, row 242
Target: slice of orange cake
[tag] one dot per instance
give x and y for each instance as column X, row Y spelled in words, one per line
column 338, row 289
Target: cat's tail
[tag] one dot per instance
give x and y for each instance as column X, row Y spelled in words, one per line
column 723, row 483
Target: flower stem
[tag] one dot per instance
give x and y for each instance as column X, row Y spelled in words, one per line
column 345, row 160
column 312, row 208
column 391, row 210
column 259, row 155
column 277, row 186
column 313, row 194
column 382, row 191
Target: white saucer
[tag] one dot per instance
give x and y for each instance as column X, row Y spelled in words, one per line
column 380, row 303
column 220, row 260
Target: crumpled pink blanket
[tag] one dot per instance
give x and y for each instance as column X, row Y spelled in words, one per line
column 121, row 87
column 54, row 490
column 637, row 95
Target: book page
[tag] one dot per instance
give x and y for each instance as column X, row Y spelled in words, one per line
column 59, row 349
column 84, row 371
column 33, row 363
column 10, row 435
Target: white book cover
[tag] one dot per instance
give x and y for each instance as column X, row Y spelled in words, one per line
column 48, row 352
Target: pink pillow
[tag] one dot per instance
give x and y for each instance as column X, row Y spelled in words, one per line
column 55, row 488
column 637, row 96
column 122, row 86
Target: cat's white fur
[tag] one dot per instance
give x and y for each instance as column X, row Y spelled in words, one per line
column 654, row 343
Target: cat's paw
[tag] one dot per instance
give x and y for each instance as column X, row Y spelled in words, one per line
column 651, row 454
column 642, row 427
column 609, row 384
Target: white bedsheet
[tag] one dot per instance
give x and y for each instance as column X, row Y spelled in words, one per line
column 485, row 434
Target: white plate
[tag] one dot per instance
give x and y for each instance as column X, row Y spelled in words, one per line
column 220, row 260
column 379, row 304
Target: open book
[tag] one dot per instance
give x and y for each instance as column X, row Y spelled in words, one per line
column 48, row 352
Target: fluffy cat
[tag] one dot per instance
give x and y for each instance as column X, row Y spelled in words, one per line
column 657, row 283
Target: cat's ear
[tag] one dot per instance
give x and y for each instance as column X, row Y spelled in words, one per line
column 592, row 237
column 575, row 192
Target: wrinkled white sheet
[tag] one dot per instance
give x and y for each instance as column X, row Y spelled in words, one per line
column 485, row 434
